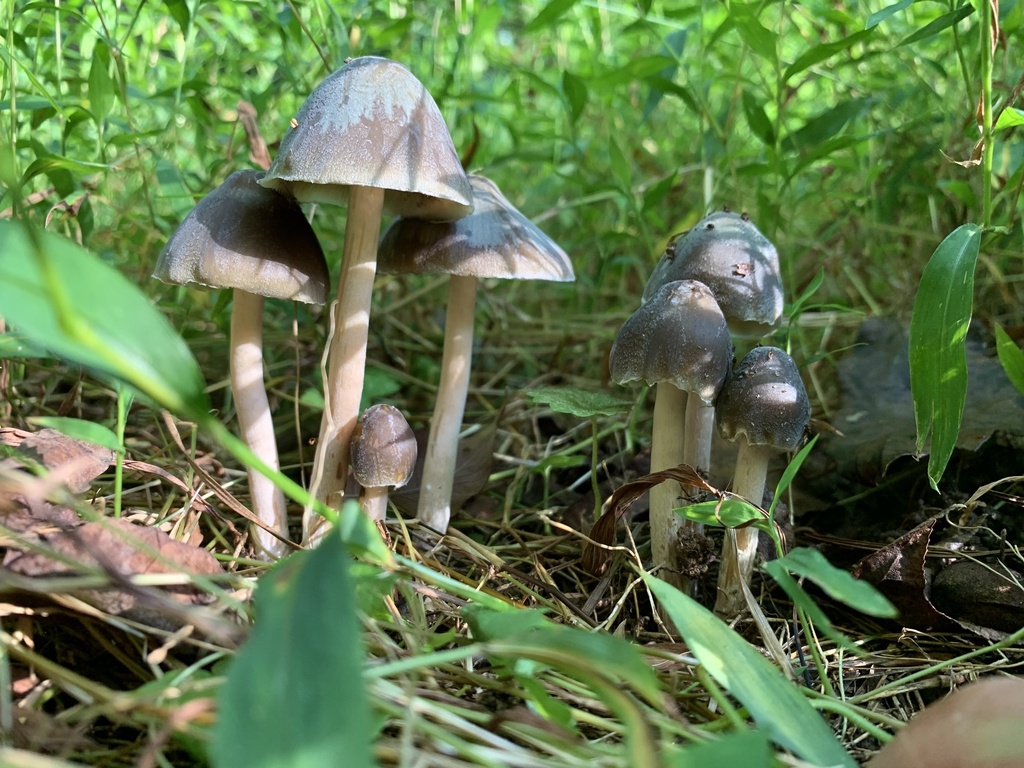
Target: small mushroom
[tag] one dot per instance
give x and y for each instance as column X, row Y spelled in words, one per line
column 679, row 341
column 496, row 240
column 369, row 136
column 382, row 455
column 257, row 242
column 763, row 407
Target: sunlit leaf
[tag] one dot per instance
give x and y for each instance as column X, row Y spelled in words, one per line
column 549, row 14
column 878, row 17
column 761, row 40
column 745, row 749
column 578, row 402
column 294, row 696
column 1010, row 117
column 101, row 85
column 938, row 360
column 819, row 53
column 945, row 21
column 1011, row 357
column 773, row 702
column 838, row 584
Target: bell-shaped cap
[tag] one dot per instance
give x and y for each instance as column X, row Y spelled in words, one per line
column 383, row 449
column 679, row 335
column 245, row 236
column 373, row 124
column 764, row 400
column 496, row 240
column 726, row 252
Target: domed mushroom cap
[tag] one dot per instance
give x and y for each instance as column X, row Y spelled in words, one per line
column 373, row 124
column 383, row 448
column 726, row 252
column 248, row 237
column 764, row 400
column 496, row 240
column 679, row 334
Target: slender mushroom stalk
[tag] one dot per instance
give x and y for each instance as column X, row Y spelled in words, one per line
column 679, row 340
column 383, row 455
column 763, row 406
column 496, row 240
column 257, row 242
column 371, row 136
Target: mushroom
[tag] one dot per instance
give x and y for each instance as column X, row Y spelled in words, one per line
column 257, row 242
column 382, row 455
column 369, row 136
column 496, row 240
column 763, row 407
column 679, row 341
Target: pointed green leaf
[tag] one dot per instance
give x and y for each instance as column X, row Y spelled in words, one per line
column 772, row 701
column 549, row 14
column 294, row 696
column 938, row 359
column 819, row 53
column 789, row 473
column 744, row 749
column 938, row 25
column 838, row 584
column 1009, row 118
column 578, row 402
column 1011, row 357
column 79, row 429
column 758, row 121
column 575, row 91
column 101, row 85
column 878, row 17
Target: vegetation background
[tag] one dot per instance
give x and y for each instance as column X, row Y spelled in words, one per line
column 848, row 130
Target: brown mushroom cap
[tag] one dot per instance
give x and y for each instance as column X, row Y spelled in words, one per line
column 247, row 237
column 679, row 335
column 383, row 448
column 764, row 400
column 373, row 124
column 726, row 252
column 496, row 240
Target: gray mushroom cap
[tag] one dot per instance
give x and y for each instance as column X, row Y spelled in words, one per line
column 247, row 237
column 679, row 335
column 372, row 123
column 764, row 400
column 383, row 448
column 496, row 240
column 726, row 252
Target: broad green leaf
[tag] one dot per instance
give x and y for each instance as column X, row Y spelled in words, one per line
column 294, row 696
column 745, row 749
column 758, row 121
column 360, row 534
column 637, row 68
column 825, row 125
column 730, row 513
column 621, row 169
column 819, row 53
column 1009, row 117
column 78, row 429
column 773, row 702
column 1011, row 357
column 811, row 610
column 673, row 47
column 575, row 91
column 62, row 298
column 943, row 22
column 487, row 624
column 578, row 402
column 838, row 584
column 878, row 17
column 938, row 358
column 178, row 10
column 101, row 85
column 759, row 38
column 549, row 14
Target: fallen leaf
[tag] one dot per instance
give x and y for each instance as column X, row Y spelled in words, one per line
column 73, row 462
column 980, row 597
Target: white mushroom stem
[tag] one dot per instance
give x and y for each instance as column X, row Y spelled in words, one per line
column 740, row 548
column 346, row 359
column 700, row 427
column 375, row 502
column 254, row 419
column 435, row 503
column 666, row 452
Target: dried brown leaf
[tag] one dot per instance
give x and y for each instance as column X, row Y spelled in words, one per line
column 76, row 463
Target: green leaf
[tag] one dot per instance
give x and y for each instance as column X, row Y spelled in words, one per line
column 78, row 429
column 943, row 22
column 64, row 299
column 745, row 749
column 637, row 68
column 178, row 10
column 1009, row 117
column 759, row 38
column 878, row 17
column 790, row 473
column 578, row 402
column 549, row 14
column 938, row 358
column 811, row 610
column 825, row 125
column 819, row 53
column 360, row 534
column 758, row 121
column 575, row 91
column 294, row 696
column 773, row 702
column 1011, row 357
column 101, row 85
column 838, row 584
column 730, row 513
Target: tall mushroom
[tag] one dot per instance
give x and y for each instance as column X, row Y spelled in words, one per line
column 257, row 242
column 383, row 455
column 369, row 136
column 763, row 406
column 496, row 240
column 679, row 341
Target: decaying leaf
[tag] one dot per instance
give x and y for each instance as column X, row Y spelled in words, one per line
column 595, row 557
column 72, row 462
column 987, row 600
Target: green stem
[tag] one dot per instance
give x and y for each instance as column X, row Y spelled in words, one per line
column 988, row 150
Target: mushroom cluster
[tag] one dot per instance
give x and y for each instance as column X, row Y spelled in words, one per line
column 370, row 137
column 717, row 281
